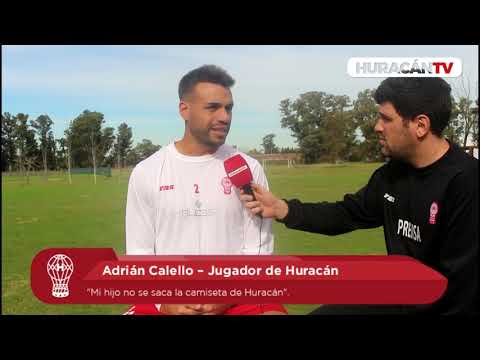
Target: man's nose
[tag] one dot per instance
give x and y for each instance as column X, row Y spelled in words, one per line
column 378, row 126
column 225, row 116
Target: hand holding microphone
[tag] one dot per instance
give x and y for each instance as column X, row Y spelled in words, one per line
column 257, row 199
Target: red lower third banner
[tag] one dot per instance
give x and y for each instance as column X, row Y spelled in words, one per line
column 98, row 276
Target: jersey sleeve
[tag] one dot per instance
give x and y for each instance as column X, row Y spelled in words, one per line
column 356, row 211
column 459, row 247
column 258, row 236
column 140, row 215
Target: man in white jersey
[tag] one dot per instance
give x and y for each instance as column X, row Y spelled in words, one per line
column 180, row 200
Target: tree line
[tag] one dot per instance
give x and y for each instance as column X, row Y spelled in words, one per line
column 326, row 127
column 30, row 145
column 333, row 128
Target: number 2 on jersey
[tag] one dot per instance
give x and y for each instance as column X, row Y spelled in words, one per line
column 196, row 189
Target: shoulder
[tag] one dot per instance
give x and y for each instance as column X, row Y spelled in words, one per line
column 151, row 164
column 386, row 172
column 464, row 170
column 462, row 161
column 459, row 169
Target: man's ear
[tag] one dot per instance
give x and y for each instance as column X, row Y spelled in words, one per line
column 184, row 110
column 422, row 123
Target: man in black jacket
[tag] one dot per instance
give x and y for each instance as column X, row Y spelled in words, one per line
column 425, row 197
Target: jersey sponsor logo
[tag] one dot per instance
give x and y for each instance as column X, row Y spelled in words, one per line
column 409, row 230
column 227, row 185
column 389, row 197
column 433, row 213
column 198, row 211
column 166, row 187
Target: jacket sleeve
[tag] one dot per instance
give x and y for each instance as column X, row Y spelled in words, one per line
column 140, row 216
column 258, row 237
column 459, row 249
column 361, row 210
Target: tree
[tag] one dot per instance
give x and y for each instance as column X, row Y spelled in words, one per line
column 83, row 130
column 320, row 123
column 365, row 116
column 21, row 129
column 475, row 125
column 132, row 158
column 30, row 163
column 453, row 131
column 289, row 150
column 141, row 151
column 304, row 117
column 106, row 143
column 68, row 148
column 310, row 147
column 268, row 145
column 92, row 132
column 123, row 144
column 26, row 144
column 338, row 130
column 466, row 116
column 8, row 141
column 89, row 143
column 305, row 114
column 43, row 128
column 61, row 153
column 52, row 152
column 465, row 111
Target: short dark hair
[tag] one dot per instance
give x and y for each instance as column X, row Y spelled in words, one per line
column 206, row 73
column 414, row 96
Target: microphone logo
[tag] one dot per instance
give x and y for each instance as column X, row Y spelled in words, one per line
column 237, row 171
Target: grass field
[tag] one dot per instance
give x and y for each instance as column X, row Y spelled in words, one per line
column 53, row 213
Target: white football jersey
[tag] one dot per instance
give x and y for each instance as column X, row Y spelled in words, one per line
column 180, row 204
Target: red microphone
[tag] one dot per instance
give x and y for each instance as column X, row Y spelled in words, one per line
column 239, row 173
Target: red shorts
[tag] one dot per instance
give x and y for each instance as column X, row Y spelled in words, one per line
column 240, row 309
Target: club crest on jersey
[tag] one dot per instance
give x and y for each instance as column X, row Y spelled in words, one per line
column 433, row 213
column 227, row 185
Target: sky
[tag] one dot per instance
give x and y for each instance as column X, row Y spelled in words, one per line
column 139, row 84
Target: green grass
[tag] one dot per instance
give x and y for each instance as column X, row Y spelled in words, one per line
column 322, row 183
column 54, row 213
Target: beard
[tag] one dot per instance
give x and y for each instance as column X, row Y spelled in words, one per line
column 209, row 137
column 401, row 153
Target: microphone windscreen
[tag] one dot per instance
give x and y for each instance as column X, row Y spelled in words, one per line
column 238, row 171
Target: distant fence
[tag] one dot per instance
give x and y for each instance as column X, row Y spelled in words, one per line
column 290, row 158
column 105, row 171
column 35, row 173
